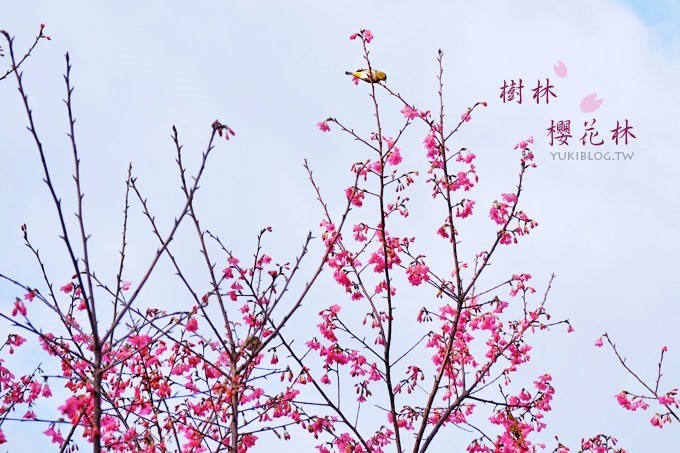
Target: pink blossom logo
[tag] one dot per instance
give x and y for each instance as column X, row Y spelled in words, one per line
column 560, row 69
column 589, row 104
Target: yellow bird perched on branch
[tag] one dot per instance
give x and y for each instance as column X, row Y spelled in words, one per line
column 370, row 76
column 252, row 343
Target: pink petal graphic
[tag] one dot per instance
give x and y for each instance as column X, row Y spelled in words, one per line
column 589, row 104
column 560, row 69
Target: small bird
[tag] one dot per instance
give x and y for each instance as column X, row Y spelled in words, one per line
column 252, row 343
column 370, row 76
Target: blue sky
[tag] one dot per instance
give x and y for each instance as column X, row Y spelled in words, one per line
column 663, row 18
column 655, row 12
column 272, row 72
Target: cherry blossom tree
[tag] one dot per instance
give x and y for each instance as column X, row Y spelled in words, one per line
column 419, row 341
column 141, row 378
column 474, row 337
column 652, row 396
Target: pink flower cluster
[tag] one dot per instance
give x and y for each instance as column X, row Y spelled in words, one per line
column 364, row 35
column 323, row 126
column 417, row 274
column 504, row 213
column 412, row 113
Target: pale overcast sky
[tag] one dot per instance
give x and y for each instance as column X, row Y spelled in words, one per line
column 272, row 70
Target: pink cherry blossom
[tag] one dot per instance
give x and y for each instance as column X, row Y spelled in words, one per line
column 417, row 274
